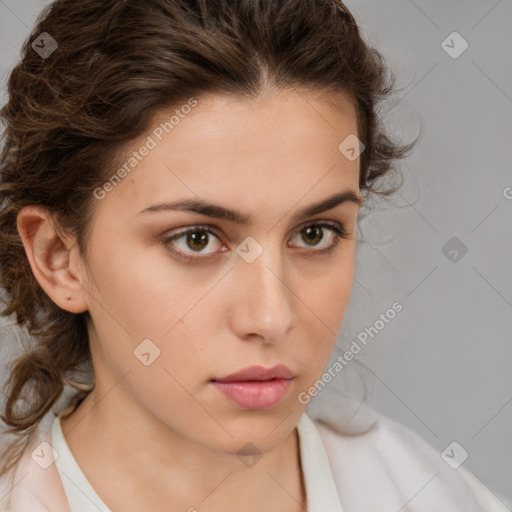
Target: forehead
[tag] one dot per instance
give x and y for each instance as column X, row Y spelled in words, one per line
column 280, row 146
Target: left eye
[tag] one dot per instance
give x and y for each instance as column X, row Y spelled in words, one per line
column 315, row 232
column 198, row 237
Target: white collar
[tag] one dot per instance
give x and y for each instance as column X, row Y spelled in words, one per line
column 321, row 492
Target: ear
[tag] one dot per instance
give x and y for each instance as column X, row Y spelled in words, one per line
column 51, row 255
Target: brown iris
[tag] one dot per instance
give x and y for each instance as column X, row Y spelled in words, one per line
column 199, row 239
column 314, row 234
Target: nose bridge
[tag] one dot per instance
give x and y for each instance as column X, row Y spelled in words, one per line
column 265, row 304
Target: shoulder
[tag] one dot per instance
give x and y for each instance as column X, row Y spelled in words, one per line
column 34, row 484
column 389, row 466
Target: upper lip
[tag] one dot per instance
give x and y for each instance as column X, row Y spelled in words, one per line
column 259, row 373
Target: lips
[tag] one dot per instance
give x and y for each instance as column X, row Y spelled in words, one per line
column 255, row 388
column 258, row 373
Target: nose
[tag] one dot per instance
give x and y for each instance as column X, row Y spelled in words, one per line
column 263, row 303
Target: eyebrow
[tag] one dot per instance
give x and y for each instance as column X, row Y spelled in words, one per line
column 220, row 212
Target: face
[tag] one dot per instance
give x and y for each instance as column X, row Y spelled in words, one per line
column 178, row 298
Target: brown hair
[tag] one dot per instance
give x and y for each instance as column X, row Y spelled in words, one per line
column 118, row 62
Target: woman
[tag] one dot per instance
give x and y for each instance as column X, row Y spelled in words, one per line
column 181, row 184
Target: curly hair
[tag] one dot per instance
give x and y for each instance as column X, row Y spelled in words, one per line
column 109, row 67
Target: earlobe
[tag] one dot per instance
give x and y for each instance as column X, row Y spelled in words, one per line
column 49, row 256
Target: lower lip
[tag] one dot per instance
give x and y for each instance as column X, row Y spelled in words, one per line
column 254, row 395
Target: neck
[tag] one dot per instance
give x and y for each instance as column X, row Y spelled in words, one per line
column 133, row 459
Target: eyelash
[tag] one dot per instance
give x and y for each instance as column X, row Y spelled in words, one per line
column 338, row 230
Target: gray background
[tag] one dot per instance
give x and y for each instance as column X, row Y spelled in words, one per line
column 442, row 366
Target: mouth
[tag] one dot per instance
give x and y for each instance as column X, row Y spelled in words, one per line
column 254, row 394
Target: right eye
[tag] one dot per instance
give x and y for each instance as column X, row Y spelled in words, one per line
column 193, row 239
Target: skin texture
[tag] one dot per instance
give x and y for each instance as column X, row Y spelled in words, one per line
column 160, row 437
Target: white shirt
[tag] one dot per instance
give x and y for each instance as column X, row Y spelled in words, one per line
column 387, row 469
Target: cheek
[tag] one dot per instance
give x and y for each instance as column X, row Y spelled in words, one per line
column 141, row 296
column 322, row 313
column 143, row 290
column 326, row 296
